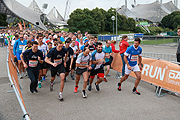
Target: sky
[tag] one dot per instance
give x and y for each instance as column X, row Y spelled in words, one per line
column 90, row 4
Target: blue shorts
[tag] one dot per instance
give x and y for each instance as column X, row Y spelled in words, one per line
column 18, row 56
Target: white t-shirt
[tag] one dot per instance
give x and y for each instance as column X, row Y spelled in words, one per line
column 43, row 48
column 75, row 48
column 83, row 60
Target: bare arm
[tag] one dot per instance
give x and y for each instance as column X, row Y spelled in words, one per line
column 22, row 59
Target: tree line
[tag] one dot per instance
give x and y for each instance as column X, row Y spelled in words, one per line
column 97, row 20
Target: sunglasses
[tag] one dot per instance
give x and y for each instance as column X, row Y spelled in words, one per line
column 20, row 37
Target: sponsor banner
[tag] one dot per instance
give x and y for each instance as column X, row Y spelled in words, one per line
column 158, row 72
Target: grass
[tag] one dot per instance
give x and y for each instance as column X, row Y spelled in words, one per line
column 154, row 28
column 158, row 42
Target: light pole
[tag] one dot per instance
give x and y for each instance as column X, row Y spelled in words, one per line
column 116, row 20
column 113, row 18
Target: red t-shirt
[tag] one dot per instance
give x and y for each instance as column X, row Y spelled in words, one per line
column 113, row 48
column 77, row 43
column 48, row 41
column 123, row 46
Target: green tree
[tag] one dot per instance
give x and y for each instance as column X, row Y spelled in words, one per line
column 3, row 18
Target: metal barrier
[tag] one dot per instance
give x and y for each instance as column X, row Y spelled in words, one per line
column 12, row 74
column 162, row 56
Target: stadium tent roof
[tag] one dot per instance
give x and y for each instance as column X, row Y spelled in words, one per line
column 14, row 8
column 55, row 17
column 153, row 12
column 34, row 6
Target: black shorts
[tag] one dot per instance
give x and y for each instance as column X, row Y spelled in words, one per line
column 74, row 63
column 107, row 63
column 67, row 66
column 80, row 71
column 59, row 69
column 43, row 66
column 95, row 72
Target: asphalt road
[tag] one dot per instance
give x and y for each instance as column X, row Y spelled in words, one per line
column 107, row 104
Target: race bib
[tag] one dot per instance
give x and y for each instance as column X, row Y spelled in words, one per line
column 21, row 47
column 33, row 63
column 134, row 57
column 84, row 63
column 58, row 61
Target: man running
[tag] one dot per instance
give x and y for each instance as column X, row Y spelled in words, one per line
column 83, row 64
column 34, row 58
column 57, row 65
column 98, row 57
column 70, row 58
column 131, row 56
column 17, row 50
column 107, row 48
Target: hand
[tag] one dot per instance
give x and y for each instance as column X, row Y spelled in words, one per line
column 25, row 65
column 140, row 67
column 89, row 68
column 39, row 58
column 70, row 68
column 101, row 60
column 129, row 67
column 54, row 64
column 64, row 64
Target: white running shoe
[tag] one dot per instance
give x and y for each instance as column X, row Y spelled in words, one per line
column 84, row 94
column 21, row 76
column 60, row 97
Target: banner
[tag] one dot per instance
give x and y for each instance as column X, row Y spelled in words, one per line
column 158, row 72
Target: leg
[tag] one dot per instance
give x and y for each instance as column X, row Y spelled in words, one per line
column 138, row 75
column 77, row 79
column 62, row 75
column 123, row 67
column 85, row 75
column 19, row 66
column 124, row 78
column 107, row 71
column 33, row 80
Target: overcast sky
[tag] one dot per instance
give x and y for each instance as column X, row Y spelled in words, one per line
column 90, row 4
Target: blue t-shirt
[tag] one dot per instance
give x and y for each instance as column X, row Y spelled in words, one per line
column 18, row 46
column 133, row 55
column 108, row 50
column 82, row 47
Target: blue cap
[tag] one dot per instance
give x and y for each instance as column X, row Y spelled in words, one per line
column 86, row 41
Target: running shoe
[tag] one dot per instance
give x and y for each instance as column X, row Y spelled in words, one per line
column 60, row 97
column 32, row 91
column 97, row 87
column 119, row 87
column 75, row 89
column 105, row 80
column 84, row 94
column 108, row 75
column 41, row 79
column 36, row 90
column 72, row 76
column 89, row 88
column 51, row 86
column 136, row 92
column 39, row 85
column 21, row 76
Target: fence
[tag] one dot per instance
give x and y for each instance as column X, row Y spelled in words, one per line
column 161, row 73
column 12, row 74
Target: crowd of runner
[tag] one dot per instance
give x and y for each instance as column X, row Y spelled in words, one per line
column 36, row 52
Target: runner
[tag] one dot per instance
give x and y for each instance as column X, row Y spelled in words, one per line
column 98, row 57
column 43, row 67
column 34, row 58
column 57, row 65
column 107, row 48
column 76, row 52
column 17, row 50
column 123, row 45
column 91, row 45
column 132, row 55
column 83, row 64
column 70, row 58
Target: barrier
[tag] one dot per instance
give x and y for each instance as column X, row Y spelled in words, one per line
column 12, row 74
column 158, row 72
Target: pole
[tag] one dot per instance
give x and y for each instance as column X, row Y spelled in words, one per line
column 116, row 25
column 113, row 29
